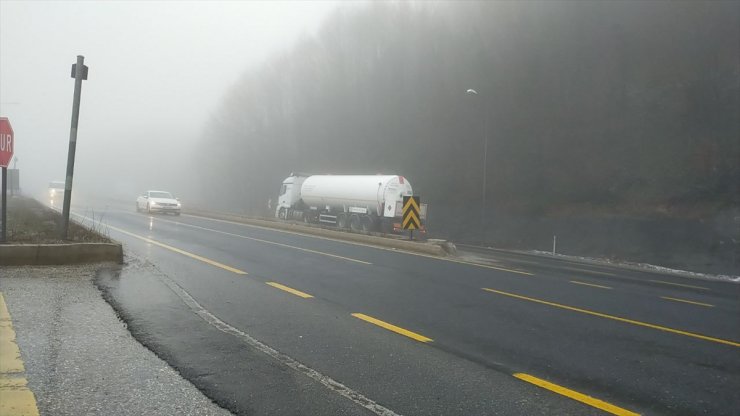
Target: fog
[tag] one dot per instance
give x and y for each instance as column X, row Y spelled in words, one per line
column 157, row 72
column 613, row 125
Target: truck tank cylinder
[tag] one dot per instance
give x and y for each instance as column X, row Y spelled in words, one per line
column 339, row 192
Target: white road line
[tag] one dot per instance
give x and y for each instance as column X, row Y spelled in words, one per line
column 331, row 384
column 680, row 284
column 355, row 243
column 266, row 241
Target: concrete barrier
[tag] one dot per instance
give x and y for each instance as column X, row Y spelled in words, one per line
column 58, row 254
column 432, row 249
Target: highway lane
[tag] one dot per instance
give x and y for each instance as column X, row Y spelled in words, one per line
column 651, row 305
column 491, row 334
column 415, row 379
column 640, row 275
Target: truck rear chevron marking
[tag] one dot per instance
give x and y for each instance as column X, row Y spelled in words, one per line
column 411, row 213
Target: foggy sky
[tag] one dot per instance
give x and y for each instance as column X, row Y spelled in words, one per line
column 157, row 72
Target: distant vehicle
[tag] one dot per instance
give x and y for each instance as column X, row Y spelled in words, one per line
column 158, row 201
column 355, row 202
column 56, row 191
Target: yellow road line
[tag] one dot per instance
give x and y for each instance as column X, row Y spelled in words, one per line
column 267, row 241
column 289, row 290
column 599, row 404
column 17, row 401
column 680, row 284
column 391, row 327
column 15, row 382
column 11, row 361
column 617, row 318
column 354, row 243
column 177, row 250
column 589, row 284
column 16, row 398
column 688, row 301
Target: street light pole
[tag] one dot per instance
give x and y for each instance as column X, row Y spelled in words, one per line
column 483, row 218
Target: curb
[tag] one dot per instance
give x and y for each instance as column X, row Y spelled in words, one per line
column 59, row 254
column 422, row 248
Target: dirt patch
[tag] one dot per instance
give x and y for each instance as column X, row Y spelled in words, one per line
column 30, row 222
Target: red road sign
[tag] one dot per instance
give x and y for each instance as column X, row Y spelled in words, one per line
column 6, row 142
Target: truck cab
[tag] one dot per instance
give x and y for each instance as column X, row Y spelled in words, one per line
column 289, row 195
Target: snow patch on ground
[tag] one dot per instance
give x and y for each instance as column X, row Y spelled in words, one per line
column 643, row 266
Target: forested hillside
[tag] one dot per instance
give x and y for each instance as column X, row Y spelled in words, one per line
column 591, row 108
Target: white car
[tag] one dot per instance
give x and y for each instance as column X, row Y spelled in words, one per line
column 158, row 201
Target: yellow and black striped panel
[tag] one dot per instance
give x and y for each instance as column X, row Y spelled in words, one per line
column 411, row 211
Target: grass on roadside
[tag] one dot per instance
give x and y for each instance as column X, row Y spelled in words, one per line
column 30, row 222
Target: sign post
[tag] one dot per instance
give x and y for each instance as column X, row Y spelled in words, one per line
column 79, row 73
column 7, row 144
column 411, row 212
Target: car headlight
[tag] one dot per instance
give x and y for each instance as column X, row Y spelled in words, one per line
column 179, row 205
column 152, row 203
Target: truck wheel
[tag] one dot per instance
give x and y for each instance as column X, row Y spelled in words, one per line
column 355, row 223
column 367, row 223
column 385, row 225
column 342, row 221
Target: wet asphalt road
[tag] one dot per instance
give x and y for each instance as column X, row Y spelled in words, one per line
column 646, row 343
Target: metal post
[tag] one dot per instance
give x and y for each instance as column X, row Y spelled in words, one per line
column 484, row 108
column 484, row 222
column 80, row 73
column 554, row 243
column 3, row 233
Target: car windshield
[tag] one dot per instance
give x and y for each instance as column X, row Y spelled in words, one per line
column 159, row 194
column 56, row 185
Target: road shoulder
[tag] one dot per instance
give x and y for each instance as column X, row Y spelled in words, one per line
column 80, row 358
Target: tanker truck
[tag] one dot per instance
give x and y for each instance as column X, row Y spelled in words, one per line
column 355, row 202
